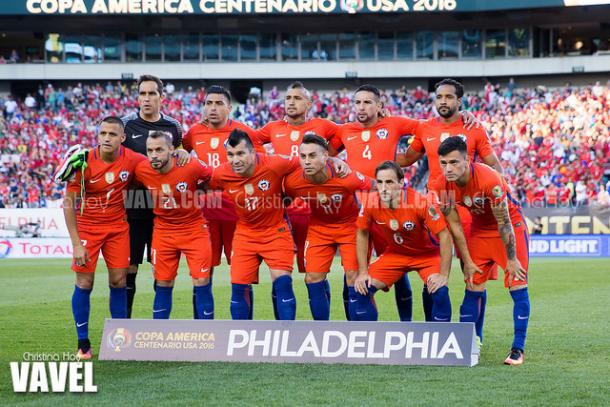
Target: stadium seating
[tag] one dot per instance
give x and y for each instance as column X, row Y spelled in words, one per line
column 554, row 143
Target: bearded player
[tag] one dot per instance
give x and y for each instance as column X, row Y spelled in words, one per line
column 179, row 227
column 450, row 122
column 285, row 136
column 95, row 216
column 499, row 235
column 332, row 226
column 207, row 139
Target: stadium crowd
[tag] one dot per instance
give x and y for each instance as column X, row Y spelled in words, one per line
column 554, row 143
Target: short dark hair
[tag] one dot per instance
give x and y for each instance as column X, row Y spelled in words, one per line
column 169, row 139
column 459, row 88
column 369, row 88
column 237, row 136
column 299, row 85
column 113, row 120
column 391, row 165
column 313, row 138
column 218, row 90
column 151, row 78
column 451, row 144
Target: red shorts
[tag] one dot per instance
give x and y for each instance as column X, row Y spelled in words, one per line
column 488, row 252
column 390, row 266
column 111, row 239
column 169, row 244
column 299, row 223
column 323, row 242
column 221, row 237
column 466, row 221
column 251, row 246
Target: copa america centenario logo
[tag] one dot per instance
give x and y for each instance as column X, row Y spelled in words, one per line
column 352, row 6
column 118, row 339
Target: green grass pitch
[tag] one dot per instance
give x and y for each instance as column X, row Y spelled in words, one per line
column 567, row 351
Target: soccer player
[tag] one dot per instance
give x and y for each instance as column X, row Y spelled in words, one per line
column 95, row 217
column 430, row 133
column 138, row 127
column 207, row 139
column 418, row 240
column 285, row 137
column 332, row 226
column 254, row 182
column 179, row 228
column 499, row 235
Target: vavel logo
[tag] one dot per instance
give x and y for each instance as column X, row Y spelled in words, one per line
column 57, row 377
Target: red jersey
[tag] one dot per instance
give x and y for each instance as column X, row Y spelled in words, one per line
column 286, row 138
column 332, row 202
column 431, row 133
column 409, row 228
column 104, row 185
column 209, row 145
column 258, row 198
column 175, row 195
column 484, row 187
column 367, row 147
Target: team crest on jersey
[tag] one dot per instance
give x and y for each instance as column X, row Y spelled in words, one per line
column 359, row 176
column 214, row 142
column 382, row 134
column 366, row 135
column 294, row 135
column 497, row 191
column 467, row 201
column 109, row 177
column 249, row 188
column 478, row 201
column 124, row 175
column 166, row 188
column 394, row 225
column 182, row 186
column 263, row 185
column 408, row 225
column 336, row 197
column 433, row 213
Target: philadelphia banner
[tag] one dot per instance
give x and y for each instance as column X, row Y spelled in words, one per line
column 382, row 343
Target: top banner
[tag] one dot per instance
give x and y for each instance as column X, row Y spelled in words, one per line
column 213, row 7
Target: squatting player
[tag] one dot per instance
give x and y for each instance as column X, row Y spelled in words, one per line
column 179, row 228
column 137, row 128
column 95, row 216
column 431, row 133
column 285, row 136
column 333, row 218
column 498, row 236
column 418, row 240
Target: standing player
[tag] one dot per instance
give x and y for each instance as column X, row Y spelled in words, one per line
column 498, row 235
column 207, row 139
column 138, row 126
column 334, row 212
column 99, row 224
column 285, row 137
column 254, row 182
column 431, row 133
column 409, row 223
column 179, row 225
